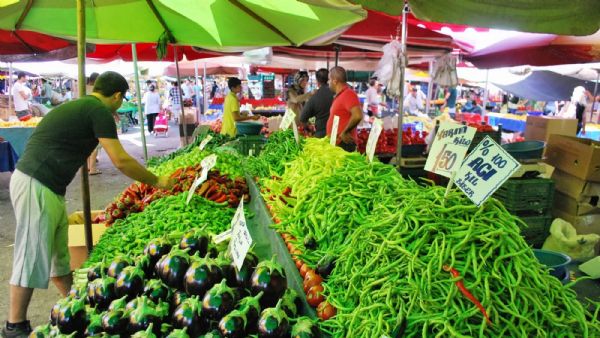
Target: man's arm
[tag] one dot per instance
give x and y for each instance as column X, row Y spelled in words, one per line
column 130, row 167
column 24, row 94
column 357, row 116
column 239, row 118
column 308, row 111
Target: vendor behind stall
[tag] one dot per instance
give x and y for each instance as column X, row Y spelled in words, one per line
column 414, row 103
column 231, row 108
column 318, row 105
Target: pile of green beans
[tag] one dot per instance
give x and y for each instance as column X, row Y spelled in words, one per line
column 281, row 148
column 392, row 237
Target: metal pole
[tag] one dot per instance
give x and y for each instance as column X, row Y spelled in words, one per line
column 196, row 85
column 204, row 88
column 328, row 63
column 10, row 75
column 85, row 182
column 401, row 97
column 485, row 93
column 429, row 88
column 594, row 97
column 182, row 120
column 139, row 98
column 337, row 55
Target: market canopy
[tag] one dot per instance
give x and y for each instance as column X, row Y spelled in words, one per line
column 546, row 86
column 210, row 24
column 27, row 46
column 147, row 52
column 188, row 69
column 580, row 17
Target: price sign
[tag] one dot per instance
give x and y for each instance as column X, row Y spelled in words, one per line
column 295, row 127
column 241, row 241
column 287, row 120
column 205, row 142
column 222, row 237
column 195, row 185
column 209, row 162
column 373, row 137
column 485, row 170
column 449, row 148
column 334, row 129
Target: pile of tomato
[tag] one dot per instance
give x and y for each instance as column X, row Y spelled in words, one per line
column 386, row 144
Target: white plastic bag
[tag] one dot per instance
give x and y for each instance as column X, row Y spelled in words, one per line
column 563, row 238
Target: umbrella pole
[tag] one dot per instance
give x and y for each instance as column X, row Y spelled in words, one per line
column 337, row 55
column 9, row 83
column 196, row 81
column 138, row 92
column 595, row 92
column 429, row 88
column 182, row 120
column 485, row 93
column 401, row 96
column 85, row 181
column 204, row 88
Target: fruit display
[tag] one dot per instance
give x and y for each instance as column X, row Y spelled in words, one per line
column 30, row 122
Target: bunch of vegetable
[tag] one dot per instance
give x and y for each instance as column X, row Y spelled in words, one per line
column 229, row 161
column 392, row 258
column 388, row 140
column 182, row 286
column 280, row 148
column 217, row 140
column 482, row 127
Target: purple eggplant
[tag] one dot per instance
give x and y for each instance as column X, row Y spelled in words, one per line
column 305, row 328
column 97, row 270
column 101, row 292
column 269, row 278
column 273, row 323
column 188, row 315
column 41, row 331
column 202, row 275
column 227, row 268
column 56, row 309
column 241, row 277
column 145, row 314
column 118, row 304
column 117, row 265
column 233, row 325
column 94, row 326
column 156, row 249
column 178, row 298
column 72, row 316
column 218, row 301
column 251, row 306
column 291, row 303
column 130, row 282
column 77, row 292
column 157, row 291
column 172, row 267
column 196, row 241
column 145, row 263
column 148, row 333
column 179, row 333
column 114, row 322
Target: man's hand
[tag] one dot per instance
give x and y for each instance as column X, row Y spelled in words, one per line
column 165, row 182
column 255, row 117
column 346, row 137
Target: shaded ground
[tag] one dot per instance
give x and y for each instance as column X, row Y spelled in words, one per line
column 103, row 189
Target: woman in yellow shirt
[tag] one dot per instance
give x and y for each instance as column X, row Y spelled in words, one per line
column 231, row 108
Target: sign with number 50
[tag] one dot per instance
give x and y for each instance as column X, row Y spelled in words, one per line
column 449, row 147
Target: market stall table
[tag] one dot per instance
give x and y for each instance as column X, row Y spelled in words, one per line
column 8, row 157
column 509, row 122
column 18, row 137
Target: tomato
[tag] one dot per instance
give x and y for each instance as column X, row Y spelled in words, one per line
column 304, row 269
column 299, row 263
column 310, row 282
column 295, row 252
column 314, row 296
column 290, row 246
column 325, row 311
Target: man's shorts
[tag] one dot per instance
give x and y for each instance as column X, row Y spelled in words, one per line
column 41, row 237
column 22, row 113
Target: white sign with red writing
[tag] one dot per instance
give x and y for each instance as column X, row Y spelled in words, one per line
column 449, row 147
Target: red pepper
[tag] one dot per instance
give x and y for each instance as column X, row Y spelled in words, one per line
column 221, row 199
column 466, row 292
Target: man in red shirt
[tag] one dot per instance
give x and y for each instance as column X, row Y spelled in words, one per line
column 346, row 106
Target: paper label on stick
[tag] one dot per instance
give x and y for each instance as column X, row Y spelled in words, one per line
column 241, row 241
column 209, row 162
column 195, row 185
column 449, row 147
column 334, row 129
column 222, row 237
column 287, row 120
column 205, row 142
column 296, row 136
column 485, row 170
column 373, row 137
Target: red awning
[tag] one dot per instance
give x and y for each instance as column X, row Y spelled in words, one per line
column 147, row 52
column 27, row 42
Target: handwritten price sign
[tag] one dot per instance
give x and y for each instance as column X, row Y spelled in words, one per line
column 373, row 137
column 449, row 147
column 485, row 170
column 241, row 241
column 287, row 120
column 205, row 142
column 334, row 130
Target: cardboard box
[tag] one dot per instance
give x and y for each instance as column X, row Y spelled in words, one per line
column 575, row 156
column 77, row 248
column 582, row 191
column 541, row 127
column 572, row 206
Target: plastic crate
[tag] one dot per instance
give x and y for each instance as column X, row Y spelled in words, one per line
column 519, row 195
column 479, row 136
column 247, row 144
column 537, row 229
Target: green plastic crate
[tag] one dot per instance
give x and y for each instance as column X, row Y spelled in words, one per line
column 479, row 136
column 537, row 229
column 250, row 144
column 518, row 195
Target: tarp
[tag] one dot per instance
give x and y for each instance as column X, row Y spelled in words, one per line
column 545, row 86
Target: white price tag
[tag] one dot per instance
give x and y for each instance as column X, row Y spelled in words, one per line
column 209, row 162
column 485, row 170
column 449, row 148
column 241, row 241
column 222, row 237
column 295, row 128
column 373, row 137
column 287, row 120
column 195, row 185
column 205, row 142
column 334, row 129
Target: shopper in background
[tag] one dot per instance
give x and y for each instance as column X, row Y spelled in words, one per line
column 175, row 95
column 450, row 101
column 46, row 91
column 318, row 105
column 296, row 94
column 188, row 91
column 414, row 103
column 38, row 186
column 93, row 159
column 214, row 90
column 231, row 108
column 21, row 95
column 151, row 101
column 580, row 99
column 373, row 98
column 346, row 106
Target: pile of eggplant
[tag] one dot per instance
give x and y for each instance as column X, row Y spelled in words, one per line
column 185, row 288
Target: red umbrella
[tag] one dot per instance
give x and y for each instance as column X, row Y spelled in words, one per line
column 147, row 52
column 538, row 50
column 22, row 46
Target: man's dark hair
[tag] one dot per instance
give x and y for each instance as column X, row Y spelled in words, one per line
column 175, row 83
column 233, row 82
column 93, row 77
column 322, row 76
column 372, row 81
column 109, row 83
column 21, row 75
column 44, row 80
